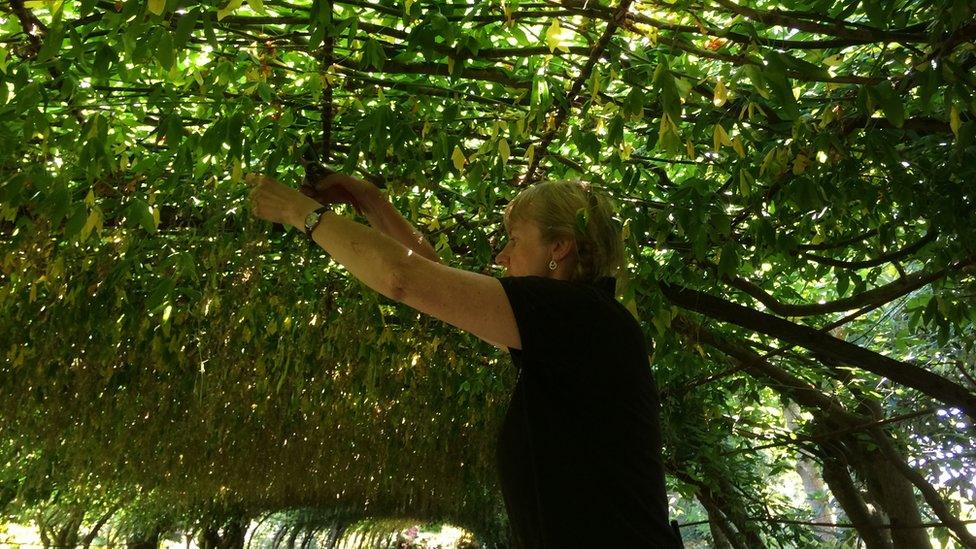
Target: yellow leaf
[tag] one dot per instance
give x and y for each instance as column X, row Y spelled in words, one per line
column 90, row 199
column 257, row 5
column 954, row 121
column 236, row 173
column 552, row 37
column 407, row 4
column 739, row 149
column 509, row 22
column 94, row 222
column 503, row 150
column 721, row 94
column 767, row 162
column 530, row 153
column 833, row 60
column 625, row 150
column 719, row 138
column 230, row 8
column 595, row 84
column 690, row 148
column 425, row 130
column 745, row 182
column 156, row 7
column 450, row 65
column 458, row 158
column 800, row 164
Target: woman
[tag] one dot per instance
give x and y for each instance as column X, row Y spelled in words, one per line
column 579, row 453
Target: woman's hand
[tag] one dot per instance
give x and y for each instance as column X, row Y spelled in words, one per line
column 337, row 188
column 274, row 202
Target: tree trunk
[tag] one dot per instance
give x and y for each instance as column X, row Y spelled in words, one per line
column 897, row 498
column 334, row 536
column 718, row 527
column 87, row 541
column 813, row 483
column 233, row 534
column 144, row 542
column 842, row 486
column 209, row 538
column 279, row 535
column 714, row 506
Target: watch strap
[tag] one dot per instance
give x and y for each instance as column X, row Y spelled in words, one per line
column 313, row 219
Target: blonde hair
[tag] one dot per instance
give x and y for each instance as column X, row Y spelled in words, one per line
column 574, row 210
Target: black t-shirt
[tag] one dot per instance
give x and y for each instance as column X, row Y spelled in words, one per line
column 579, row 453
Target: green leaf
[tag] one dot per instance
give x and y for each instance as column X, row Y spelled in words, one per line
column 184, row 28
column 633, row 105
column 665, row 84
column 615, row 131
column 779, row 85
column 589, row 145
column 75, row 222
column 52, row 44
column 582, row 220
column 755, row 75
column 843, row 283
column 879, row 12
column 104, row 57
column 802, row 67
column 174, row 131
column 373, row 55
column 140, row 212
column 164, row 50
column 890, row 102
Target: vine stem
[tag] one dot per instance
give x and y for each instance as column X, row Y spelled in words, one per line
column 563, row 110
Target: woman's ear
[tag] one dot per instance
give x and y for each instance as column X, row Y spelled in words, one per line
column 562, row 248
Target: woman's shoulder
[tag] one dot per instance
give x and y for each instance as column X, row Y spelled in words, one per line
column 598, row 294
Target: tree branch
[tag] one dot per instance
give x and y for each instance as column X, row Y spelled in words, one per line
column 877, row 296
column 880, row 260
column 783, row 381
column 438, row 69
column 839, row 30
column 824, row 345
column 584, row 74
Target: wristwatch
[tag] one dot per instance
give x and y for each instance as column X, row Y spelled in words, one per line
column 312, row 219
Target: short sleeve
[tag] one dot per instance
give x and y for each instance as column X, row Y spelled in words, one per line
column 555, row 318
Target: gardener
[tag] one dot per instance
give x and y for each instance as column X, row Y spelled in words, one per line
column 579, row 453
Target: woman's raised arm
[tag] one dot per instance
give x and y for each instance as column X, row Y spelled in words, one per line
column 473, row 302
column 371, row 202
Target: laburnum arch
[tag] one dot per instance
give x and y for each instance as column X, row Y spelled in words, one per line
column 794, row 180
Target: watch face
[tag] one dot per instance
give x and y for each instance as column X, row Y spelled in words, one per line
column 310, row 220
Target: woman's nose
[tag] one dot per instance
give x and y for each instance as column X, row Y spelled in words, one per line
column 502, row 258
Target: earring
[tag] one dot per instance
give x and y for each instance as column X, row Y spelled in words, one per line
column 552, row 265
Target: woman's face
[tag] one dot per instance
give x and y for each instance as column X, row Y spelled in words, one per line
column 524, row 254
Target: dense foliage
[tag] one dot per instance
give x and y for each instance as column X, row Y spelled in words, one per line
column 794, row 180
